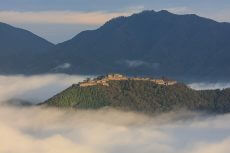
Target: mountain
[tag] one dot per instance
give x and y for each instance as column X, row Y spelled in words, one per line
column 140, row 94
column 148, row 43
column 19, row 48
column 184, row 47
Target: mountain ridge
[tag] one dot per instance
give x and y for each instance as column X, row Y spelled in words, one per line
column 161, row 43
column 185, row 47
column 19, row 48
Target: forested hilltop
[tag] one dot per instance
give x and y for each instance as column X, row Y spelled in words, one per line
column 141, row 95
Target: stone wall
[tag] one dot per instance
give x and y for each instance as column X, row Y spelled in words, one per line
column 117, row 77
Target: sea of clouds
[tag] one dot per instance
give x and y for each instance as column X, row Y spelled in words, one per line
column 48, row 130
column 206, row 85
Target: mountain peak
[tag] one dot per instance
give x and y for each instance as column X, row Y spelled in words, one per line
column 164, row 11
column 152, row 12
column 147, row 43
column 118, row 21
column 18, row 48
column 151, row 43
column 147, row 12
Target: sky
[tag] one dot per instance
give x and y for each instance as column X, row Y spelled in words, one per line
column 60, row 20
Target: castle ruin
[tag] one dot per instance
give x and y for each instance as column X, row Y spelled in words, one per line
column 104, row 80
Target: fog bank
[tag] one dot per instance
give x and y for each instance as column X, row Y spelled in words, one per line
column 37, row 130
column 205, row 86
column 35, row 88
column 45, row 130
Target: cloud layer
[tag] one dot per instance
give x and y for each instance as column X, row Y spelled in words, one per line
column 33, row 130
column 59, row 17
column 49, row 130
column 205, row 85
column 34, row 88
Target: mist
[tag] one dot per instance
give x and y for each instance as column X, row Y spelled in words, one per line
column 205, row 85
column 48, row 130
column 35, row 88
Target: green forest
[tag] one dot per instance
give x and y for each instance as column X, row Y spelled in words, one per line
column 142, row 96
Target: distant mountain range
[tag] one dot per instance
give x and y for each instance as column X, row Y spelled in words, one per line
column 19, row 48
column 140, row 95
column 148, row 43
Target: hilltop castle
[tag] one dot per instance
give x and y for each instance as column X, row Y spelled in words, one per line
column 104, row 80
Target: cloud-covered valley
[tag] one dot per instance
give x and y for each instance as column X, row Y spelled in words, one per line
column 48, row 130
column 34, row 88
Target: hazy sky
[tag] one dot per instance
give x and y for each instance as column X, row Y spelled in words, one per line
column 59, row 20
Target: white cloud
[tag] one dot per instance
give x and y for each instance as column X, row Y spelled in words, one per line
column 107, row 131
column 219, row 147
column 138, row 63
column 204, row 86
column 134, row 63
column 35, row 88
column 50, row 130
column 63, row 66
